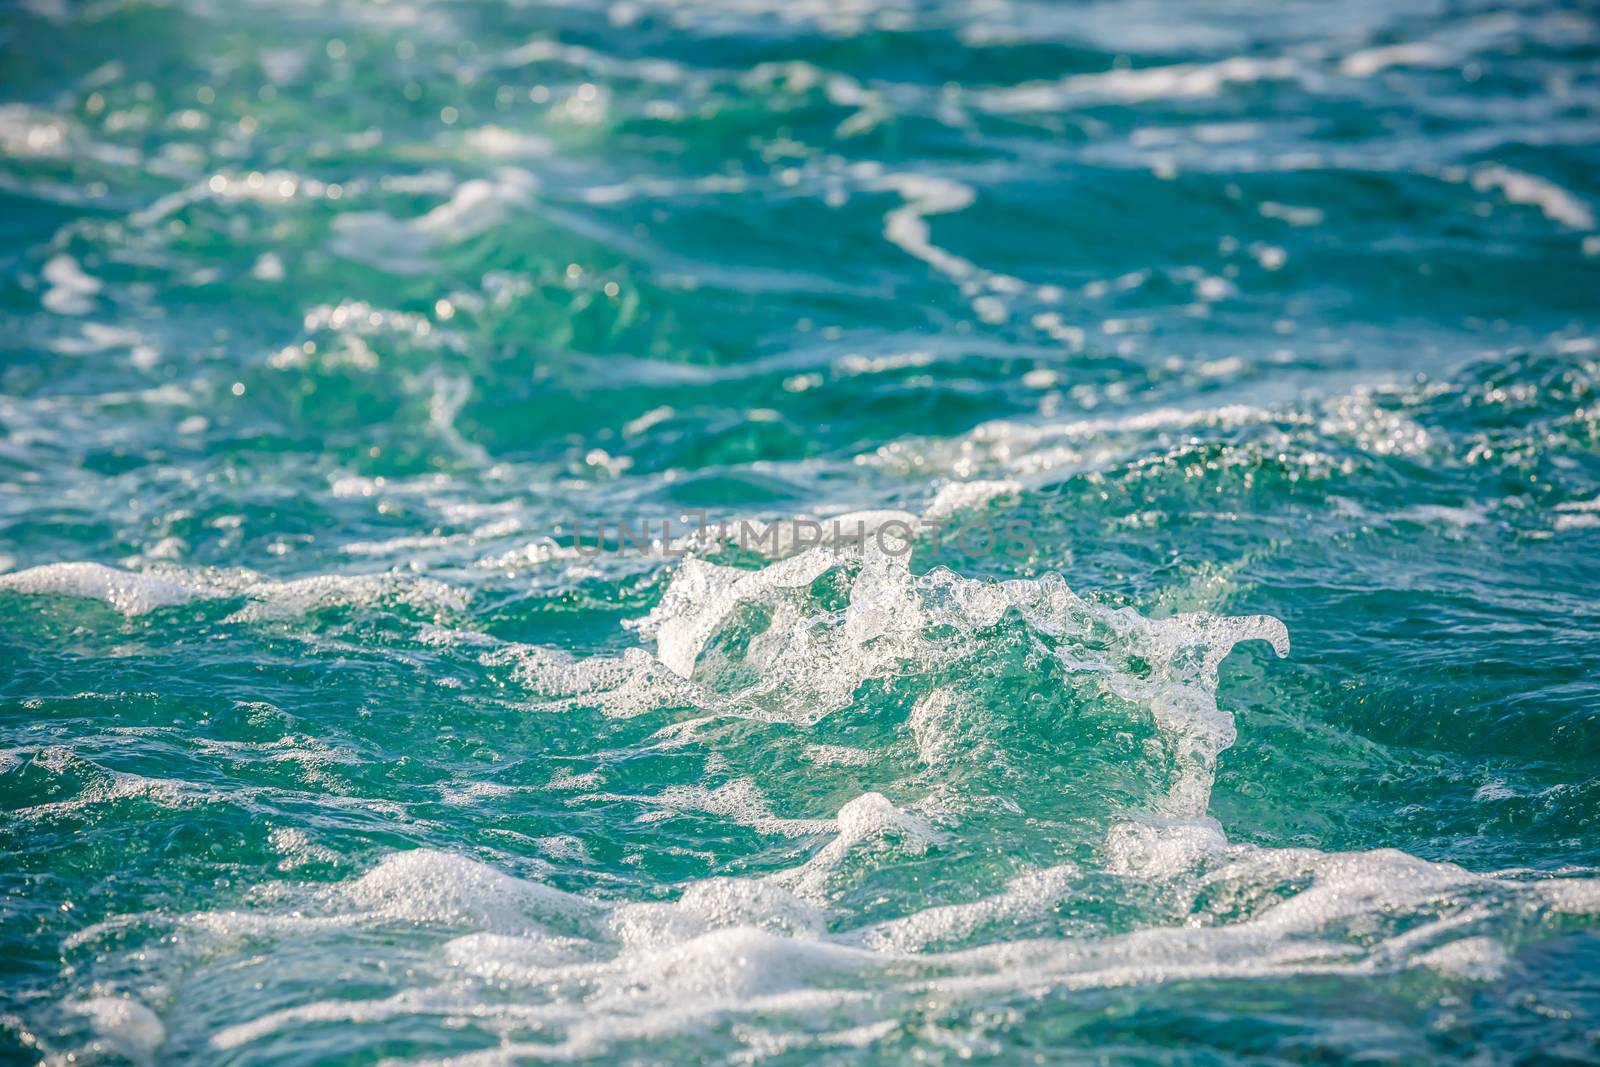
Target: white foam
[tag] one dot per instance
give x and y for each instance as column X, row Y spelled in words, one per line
column 127, row 592
column 405, row 246
column 135, row 593
column 907, row 227
column 1444, row 515
column 123, row 1025
column 869, row 823
column 347, row 1011
column 701, row 595
column 1478, row 958
column 1027, row 896
column 1571, row 896
column 1178, row 81
column 502, row 143
column 956, row 497
column 276, row 600
column 731, row 902
column 1370, row 61
column 109, row 787
column 1520, row 187
column 935, row 728
column 734, row 964
column 33, row 133
column 1375, row 419
column 426, row 886
column 1163, row 849
column 801, row 660
column 733, row 949
column 620, row 686
column 69, row 290
column 740, row 801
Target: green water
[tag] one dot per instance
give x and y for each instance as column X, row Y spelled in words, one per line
column 330, row 329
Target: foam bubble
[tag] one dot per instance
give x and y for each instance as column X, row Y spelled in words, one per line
column 426, row 886
column 127, row 592
column 795, row 640
column 1478, row 958
column 136, row 593
column 123, row 1025
column 761, row 949
column 956, row 497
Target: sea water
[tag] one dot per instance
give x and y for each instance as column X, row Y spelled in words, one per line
column 799, row 531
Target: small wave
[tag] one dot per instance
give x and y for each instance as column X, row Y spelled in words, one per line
column 595, row 977
column 137, row 593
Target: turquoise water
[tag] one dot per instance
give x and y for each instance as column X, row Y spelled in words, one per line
column 332, row 332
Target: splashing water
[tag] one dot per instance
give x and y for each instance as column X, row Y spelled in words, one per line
column 332, row 327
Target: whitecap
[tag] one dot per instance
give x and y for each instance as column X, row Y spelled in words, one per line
column 127, row 592
column 406, row 246
column 123, row 1025
column 1519, row 187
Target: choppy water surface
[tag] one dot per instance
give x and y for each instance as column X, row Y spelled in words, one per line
column 324, row 324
